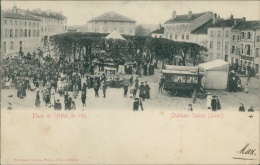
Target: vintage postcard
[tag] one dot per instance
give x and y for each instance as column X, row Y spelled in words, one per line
column 130, row 82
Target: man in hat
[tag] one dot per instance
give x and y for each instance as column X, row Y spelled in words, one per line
column 161, row 84
column 125, row 90
column 57, row 105
column 136, row 84
column 142, row 91
column 104, row 88
column 147, row 90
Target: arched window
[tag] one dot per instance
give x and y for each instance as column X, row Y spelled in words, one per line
column 248, row 35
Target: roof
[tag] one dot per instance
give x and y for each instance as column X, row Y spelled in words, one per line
column 112, row 16
column 218, row 65
column 18, row 16
column 159, row 31
column 51, row 15
column 247, row 25
column 203, row 29
column 226, row 23
column 182, row 72
column 184, row 18
column 115, row 35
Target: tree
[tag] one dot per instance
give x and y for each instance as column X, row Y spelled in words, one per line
column 196, row 53
column 139, row 30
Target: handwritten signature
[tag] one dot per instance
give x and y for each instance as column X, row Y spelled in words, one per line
column 246, row 150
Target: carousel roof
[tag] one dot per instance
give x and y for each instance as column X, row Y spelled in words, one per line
column 115, row 35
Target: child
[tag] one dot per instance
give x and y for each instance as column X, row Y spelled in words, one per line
column 190, row 107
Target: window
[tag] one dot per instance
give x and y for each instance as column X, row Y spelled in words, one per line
column 6, row 33
column 16, row 23
column 11, row 22
column 21, row 32
column 258, row 39
column 30, row 23
column 131, row 31
column 226, row 58
column 248, row 50
column 25, row 33
column 11, row 33
column 11, row 45
column 227, row 34
column 248, row 35
column 176, row 36
column 33, row 24
column 29, row 33
column 170, row 36
column 233, row 49
column 219, row 33
column 211, row 44
column 6, row 22
column 226, row 46
column 187, row 36
column 34, row 33
column 16, row 33
column 182, row 36
column 105, row 22
column 211, row 34
column 45, row 29
column 155, row 36
column 238, row 37
column 242, row 48
column 218, row 56
column 122, row 30
column 24, row 23
column 218, row 45
column 234, row 37
column 256, row 52
column 243, row 35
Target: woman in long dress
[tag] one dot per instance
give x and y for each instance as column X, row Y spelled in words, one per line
column 37, row 101
column 75, row 91
column 209, row 98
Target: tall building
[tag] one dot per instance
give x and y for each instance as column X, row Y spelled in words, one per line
column 52, row 22
column 20, row 32
column 111, row 21
column 219, row 34
column 179, row 27
column 245, row 43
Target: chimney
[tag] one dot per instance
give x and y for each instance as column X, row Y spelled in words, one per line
column 189, row 14
column 173, row 14
column 231, row 16
column 215, row 18
column 244, row 18
column 112, row 14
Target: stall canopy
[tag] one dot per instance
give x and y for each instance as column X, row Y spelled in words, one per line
column 115, row 35
column 215, row 74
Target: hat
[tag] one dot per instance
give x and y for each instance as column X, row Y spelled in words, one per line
column 137, row 98
column 58, row 100
column 142, row 82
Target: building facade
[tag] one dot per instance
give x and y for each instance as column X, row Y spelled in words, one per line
column 111, row 21
column 219, row 38
column 257, row 51
column 179, row 27
column 20, row 32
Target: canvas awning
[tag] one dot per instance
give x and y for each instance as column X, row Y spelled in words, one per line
column 216, row 65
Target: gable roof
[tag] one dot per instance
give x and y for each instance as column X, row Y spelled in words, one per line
column 10, row 15
column 51, row 15
column 203, row 29
column 112, row 16
column 184, row 18
column 158, row 31
column 226, row 23
column 247, row 25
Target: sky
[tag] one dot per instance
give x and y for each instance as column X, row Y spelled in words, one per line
column 144, row 12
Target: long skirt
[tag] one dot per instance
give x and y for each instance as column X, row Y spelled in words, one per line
column 37, row 102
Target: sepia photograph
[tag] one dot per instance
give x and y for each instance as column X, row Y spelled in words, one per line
column 130, row 82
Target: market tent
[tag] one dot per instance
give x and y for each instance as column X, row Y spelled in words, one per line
column 115, row 35
column 182, row 68
column 215, row 74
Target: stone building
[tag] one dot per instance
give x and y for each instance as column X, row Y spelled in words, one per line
column 179, row 27
column 20, row 32
column 111, row 21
